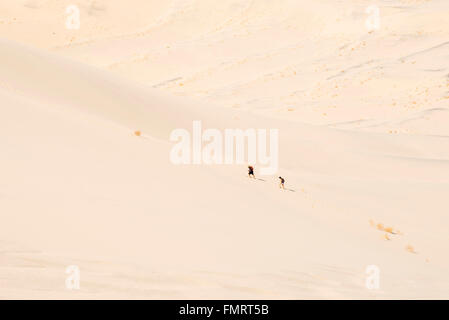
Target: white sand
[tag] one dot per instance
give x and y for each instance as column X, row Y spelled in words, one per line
column 363, row 121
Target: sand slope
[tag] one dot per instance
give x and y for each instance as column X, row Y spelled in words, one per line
column 79, row 188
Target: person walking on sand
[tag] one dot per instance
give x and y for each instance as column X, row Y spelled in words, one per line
column 251, row 172
column 281, row 183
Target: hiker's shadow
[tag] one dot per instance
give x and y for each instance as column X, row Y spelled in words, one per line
column 260, row 179
column 291, row 190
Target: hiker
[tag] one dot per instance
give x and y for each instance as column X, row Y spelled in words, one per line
column 281, row 183
column 251, row 172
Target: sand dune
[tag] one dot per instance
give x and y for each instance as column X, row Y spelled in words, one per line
column 363, row 145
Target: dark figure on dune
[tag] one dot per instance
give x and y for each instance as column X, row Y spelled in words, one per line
column 251, row 172
column 281, row 183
